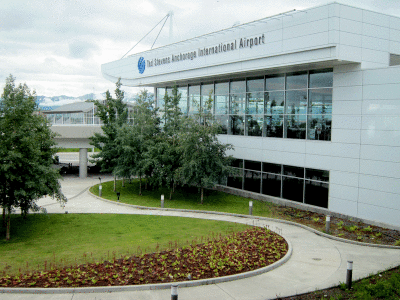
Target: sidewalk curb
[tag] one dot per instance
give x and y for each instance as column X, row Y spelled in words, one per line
column 251, row 217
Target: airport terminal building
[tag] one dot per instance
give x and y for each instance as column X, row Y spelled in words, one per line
column 309, row 99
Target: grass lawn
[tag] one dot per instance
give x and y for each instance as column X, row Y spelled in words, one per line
column 188, row 198
column 63, row 239
column 75, row 150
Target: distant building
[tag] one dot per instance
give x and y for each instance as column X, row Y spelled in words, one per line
column 309, row 99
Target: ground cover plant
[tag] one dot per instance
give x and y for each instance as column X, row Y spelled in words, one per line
column 187, row 198
column 44, row 241
column 384, row 285
column 235, row 253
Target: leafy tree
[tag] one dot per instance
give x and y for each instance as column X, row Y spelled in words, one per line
column 204, row 159
column 26, row 153
column 135, row 140
column 113, row 113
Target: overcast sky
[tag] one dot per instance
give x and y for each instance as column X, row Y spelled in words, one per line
column 58, row 46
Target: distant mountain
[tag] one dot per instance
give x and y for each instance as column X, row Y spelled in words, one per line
column 50, row 103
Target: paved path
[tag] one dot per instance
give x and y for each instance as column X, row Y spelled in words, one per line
column 316, row 263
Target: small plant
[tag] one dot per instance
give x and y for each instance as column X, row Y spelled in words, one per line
column 343, row 286
column 340, row 225
column 316, row 219
column 353, row 228
column 367, row 229
column 397, row 243
column 378, row 234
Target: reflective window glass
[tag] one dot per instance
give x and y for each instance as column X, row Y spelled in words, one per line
column 184, row 98
column 236, row 125
column 274, row 102
column 320, row 101
column 238, row 102
column 255, row 85
column 296, row 81
column 160, row 97
column 274, row 82
column 252, row 165
column 271, row 184
column 238, row 86
column 254, row 124
column 273, row 126
column 321, row 78
column 221, row 88
column 237, row 163
column 252, row 181
column 292, row 188
column 295, row 126
column 319, row 127
column 296, row 102
column 235, row 179
column 293, row 171
column 272, row 168
column 194, row 99
column 221, row 104
column 255, row 103
column 316, row 193
column 320, row 175
column 223, row 121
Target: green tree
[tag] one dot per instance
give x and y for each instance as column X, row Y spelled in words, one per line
column 26, row 153
column 135, row 140
column 113, row 113
column 204, row 159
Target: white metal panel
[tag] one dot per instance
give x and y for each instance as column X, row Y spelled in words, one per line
column 284, row 144
column 380, row 153
column 305, row 42
column 380, row 168
column 381, row 122
column 381, row 199
column 333, row 149
column 383, row 138
column 395, row 35
column 347, row 79
column 346, row 122
column 347, row 108
column 346, row 136
column 381, row 57
column 381, row 76
column 347, row 93
column 344, row 192
column 380, row 214
column 341, row 206
column 381, row 107
column 343, row 178
column 394, row 47
column 375, row 43
column 332, row 163
column 351, row 13
column 376, row 31
column 306, row 29
column 382, row 91
column 378, row 183
column 375, row 18
column 350, row 39
column 351, row 26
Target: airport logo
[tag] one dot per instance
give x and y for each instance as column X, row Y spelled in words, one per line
column 141, row 65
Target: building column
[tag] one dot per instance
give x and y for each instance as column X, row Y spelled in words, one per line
column 83, row 162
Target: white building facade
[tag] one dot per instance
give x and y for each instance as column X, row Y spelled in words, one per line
column 310, row 100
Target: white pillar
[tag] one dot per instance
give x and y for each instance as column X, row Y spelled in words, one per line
column 83, row 162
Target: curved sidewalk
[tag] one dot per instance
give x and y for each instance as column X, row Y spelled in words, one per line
column 316, row 262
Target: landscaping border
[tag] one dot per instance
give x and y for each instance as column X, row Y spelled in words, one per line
column 251, row 217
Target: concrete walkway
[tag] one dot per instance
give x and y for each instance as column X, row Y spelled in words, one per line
column 316, row 262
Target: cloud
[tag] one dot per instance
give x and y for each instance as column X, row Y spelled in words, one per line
column 81, row 49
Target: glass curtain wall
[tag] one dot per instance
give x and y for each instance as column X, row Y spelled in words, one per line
column 293, row 183
column 291, row 105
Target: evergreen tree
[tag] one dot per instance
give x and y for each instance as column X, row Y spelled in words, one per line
column 26, row 153
column 204, row 159
column 113, row 113
column 135, row 140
